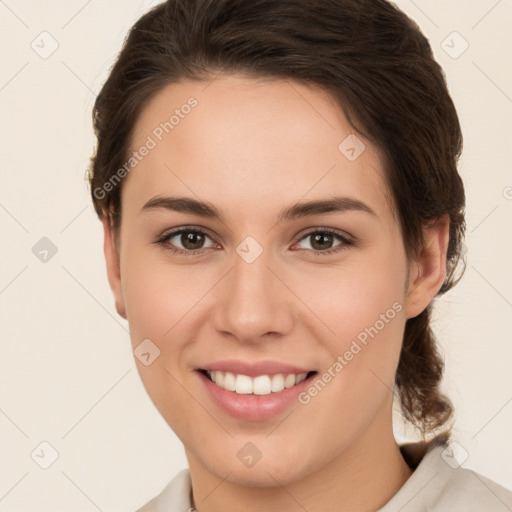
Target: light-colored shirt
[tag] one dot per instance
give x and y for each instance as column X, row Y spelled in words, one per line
column 438, row 483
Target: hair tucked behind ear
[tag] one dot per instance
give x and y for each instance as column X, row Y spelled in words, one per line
column 419, row 376
column 373, row 61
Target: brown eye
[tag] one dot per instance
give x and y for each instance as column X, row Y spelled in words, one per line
column 190, row 240
column 323, row 241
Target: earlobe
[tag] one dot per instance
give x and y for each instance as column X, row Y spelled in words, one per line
column 113, row 264
column 429, row 270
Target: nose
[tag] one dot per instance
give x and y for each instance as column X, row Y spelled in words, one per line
column 254, row 301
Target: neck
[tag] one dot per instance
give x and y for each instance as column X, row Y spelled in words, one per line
column 363, row 477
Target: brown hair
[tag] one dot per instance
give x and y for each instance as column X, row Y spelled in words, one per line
column 373, row 60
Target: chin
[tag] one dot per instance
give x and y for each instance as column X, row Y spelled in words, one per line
column 263, row 476
column 270, row 471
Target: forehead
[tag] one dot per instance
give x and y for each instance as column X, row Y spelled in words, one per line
column 254, row 141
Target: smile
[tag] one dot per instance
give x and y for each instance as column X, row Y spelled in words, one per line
column 259, row 385
column 254, row 390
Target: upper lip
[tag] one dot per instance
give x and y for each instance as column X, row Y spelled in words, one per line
column 254, row 368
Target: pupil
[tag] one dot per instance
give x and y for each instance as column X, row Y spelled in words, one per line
column 192, row 240
column 319, row 238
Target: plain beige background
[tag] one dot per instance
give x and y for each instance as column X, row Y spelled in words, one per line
column 68, row 376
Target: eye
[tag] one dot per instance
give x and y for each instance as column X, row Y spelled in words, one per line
column 322, row 240
column 191, row 240
column 194, row 239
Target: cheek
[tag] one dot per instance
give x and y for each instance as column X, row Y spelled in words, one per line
column 362, row 306
column 351, row 297
column 366, row 315
column 158, row 296
column 161, row 305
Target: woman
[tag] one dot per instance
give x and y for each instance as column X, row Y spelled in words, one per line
column 279, row 193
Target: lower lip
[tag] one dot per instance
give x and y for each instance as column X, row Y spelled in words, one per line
column 254, row 407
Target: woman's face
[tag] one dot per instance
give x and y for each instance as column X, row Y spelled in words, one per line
column 261, row 286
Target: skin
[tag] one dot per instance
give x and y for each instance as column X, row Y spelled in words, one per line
column 252, row 147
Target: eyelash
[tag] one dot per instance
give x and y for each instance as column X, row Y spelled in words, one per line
column 163, row 241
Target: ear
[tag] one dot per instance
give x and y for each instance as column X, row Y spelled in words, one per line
column 113, row 263
column 428, row 272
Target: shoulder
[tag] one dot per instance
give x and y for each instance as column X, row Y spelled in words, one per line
column 466, row 490
column 174, row 496
column 439, row 483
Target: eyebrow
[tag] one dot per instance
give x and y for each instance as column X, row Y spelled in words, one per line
column 305, row 209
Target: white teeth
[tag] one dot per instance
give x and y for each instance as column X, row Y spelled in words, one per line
column 260, row 385
column 289, row 381
column 243, row 385
column 277, row 382
column 229, row 382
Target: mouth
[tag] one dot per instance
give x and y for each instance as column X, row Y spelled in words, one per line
column 265, row 384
